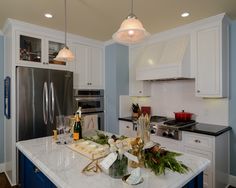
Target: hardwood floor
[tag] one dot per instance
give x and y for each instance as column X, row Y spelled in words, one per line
column 3, row 181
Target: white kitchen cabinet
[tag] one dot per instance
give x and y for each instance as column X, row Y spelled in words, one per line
column 33, row 50
column 127, row 128
column 88, row 67
column 213, row 148
column 212, row 59
column 136, row 87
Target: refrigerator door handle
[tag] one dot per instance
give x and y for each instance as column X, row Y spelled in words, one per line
column 52, row 107
column 45, row 103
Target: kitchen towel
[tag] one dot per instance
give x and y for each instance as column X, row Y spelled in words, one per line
column 90, row 124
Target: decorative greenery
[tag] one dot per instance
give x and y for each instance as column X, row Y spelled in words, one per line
column 102, row 139
column 158, row 160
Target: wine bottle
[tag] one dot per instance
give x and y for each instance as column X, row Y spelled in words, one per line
column 77, row 126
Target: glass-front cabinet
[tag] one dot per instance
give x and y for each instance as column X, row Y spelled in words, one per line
column 39, row 51
column 53, row 49
column 30, row 49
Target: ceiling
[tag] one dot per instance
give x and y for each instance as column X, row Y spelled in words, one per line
column 99, row 19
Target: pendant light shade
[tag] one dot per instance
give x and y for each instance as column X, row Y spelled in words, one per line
column 131, row 30
column 65, row 54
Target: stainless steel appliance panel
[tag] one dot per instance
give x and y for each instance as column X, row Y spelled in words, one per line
column 31, row 118
column 89, row 100
column 60, row 95
column 42, row 95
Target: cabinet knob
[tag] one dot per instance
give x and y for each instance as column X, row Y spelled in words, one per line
column 127, row 127
column 36, row 170
column 198, row 91
column 140, row 91
column 197, row 141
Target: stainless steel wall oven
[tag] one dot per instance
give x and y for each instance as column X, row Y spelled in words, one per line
column 92, row 103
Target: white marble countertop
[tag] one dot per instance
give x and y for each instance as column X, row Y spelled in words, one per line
column 63, row 167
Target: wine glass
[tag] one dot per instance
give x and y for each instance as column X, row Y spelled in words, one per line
column 68, row 124
column 60, row 127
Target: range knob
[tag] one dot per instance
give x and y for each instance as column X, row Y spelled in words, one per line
column 165, row 133
column 171, row 134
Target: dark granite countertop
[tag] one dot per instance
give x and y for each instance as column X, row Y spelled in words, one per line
column 129, row 119
column 208, row 129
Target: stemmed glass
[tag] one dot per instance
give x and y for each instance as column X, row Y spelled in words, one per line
column 60, row 125
column 68, row 125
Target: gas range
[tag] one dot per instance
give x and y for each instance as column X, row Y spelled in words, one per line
column 170, row 128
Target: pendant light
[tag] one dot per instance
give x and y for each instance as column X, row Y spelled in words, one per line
column 131, row 30
column 65, row 54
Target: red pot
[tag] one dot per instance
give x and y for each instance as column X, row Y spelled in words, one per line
column 183, row 116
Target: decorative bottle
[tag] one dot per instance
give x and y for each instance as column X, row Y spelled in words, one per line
column 77, row 126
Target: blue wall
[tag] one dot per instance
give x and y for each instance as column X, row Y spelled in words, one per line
column 116, row 84
column 232, row 102
column 1, row 102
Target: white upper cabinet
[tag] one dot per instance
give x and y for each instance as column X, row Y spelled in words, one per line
column 89, row 68
column 137, row 87
column 212, row 59
column 38, row 51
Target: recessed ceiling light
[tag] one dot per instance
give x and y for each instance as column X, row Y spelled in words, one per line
column 47, row 15
column 185, row 14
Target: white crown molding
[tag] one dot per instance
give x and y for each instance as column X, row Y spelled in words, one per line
column 48, row 32
column 181, row 30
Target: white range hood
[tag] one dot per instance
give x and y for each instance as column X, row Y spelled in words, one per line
column 164, row 60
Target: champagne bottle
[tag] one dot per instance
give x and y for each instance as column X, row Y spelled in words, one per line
column 77, row 126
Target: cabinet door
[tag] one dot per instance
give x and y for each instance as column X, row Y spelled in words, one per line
column 136, row 87
column 96, row 67
column 208, row 62
column 29, row 49
column 126, row 128
column 31, row 176
column 81, row 75
column 89, row 67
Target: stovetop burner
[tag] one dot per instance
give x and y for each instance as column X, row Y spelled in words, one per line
column 178, row 123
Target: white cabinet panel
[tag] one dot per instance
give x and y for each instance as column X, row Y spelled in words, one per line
column 127, row 129
column 89, row 68
column 136, row 87
column 208, row 61
column 212, row 59
column 97, row 68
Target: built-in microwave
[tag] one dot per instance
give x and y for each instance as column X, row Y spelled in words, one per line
column 89, row 100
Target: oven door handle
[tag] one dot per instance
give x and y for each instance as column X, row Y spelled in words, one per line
column 88, row 99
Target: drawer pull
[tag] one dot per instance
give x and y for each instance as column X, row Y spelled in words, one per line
column 127, row 127
column 197, row 141
column 36, row 170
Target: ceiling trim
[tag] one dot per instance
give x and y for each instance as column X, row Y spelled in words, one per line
column 48, row 32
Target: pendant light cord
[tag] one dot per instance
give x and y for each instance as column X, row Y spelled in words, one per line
column 132, row 6
column 65, row 25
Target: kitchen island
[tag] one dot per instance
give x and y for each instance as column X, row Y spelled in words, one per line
column 63, row 167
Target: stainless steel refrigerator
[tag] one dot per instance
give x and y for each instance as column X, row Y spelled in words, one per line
column 42, row 94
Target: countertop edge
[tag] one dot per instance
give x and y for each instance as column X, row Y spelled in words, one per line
column 207, row 132
column 43, row 168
